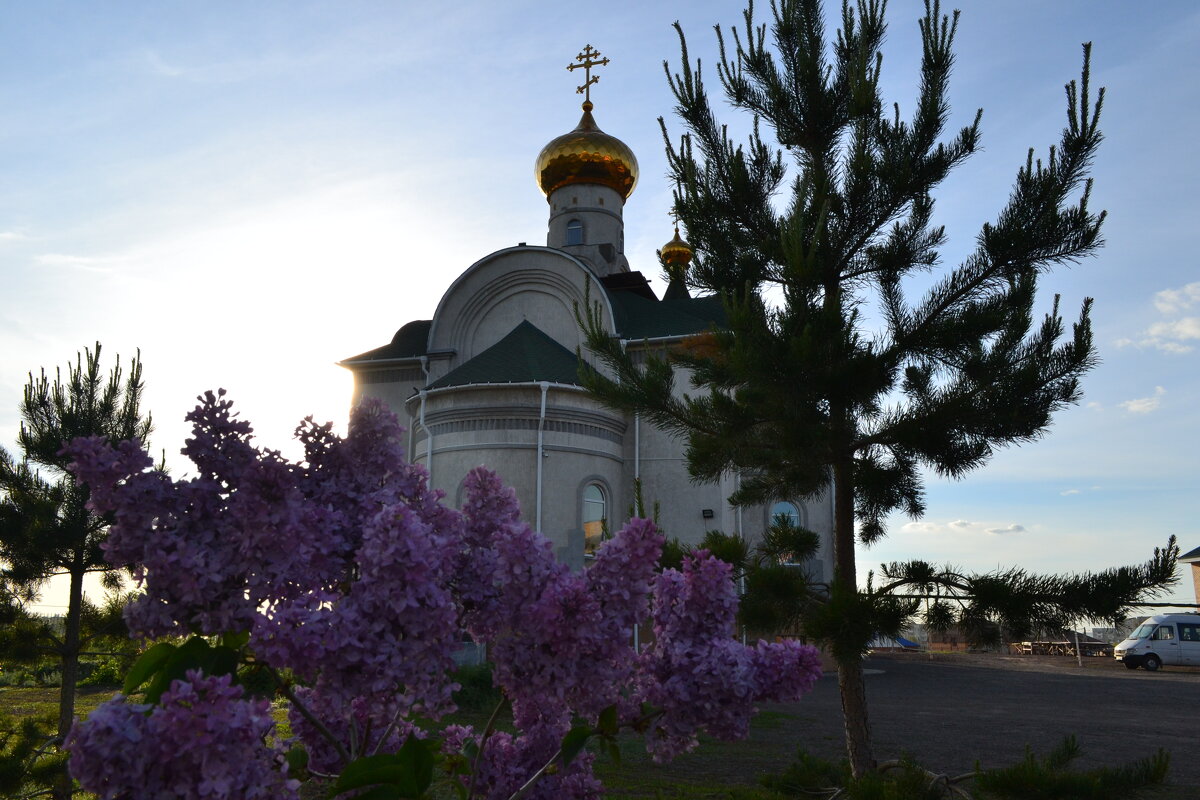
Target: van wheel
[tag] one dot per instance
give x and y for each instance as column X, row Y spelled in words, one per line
column 1152, row 663
column 1130, row 665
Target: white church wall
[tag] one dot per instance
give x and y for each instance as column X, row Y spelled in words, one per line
column 497, row 426
column 499, row 292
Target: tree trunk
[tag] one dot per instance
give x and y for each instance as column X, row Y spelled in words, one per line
column 854, row 713
column 63, row 788
column 851, row 686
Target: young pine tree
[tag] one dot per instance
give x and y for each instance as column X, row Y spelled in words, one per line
column 46, row 528
column 800, row 393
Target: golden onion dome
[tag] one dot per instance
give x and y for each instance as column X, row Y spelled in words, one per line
column 677, row 251
column 587, row 155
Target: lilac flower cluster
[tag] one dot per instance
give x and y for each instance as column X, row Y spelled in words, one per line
column 560, row 641
column 305, row 557
column 203, row 740
column 508, row 761
column 701, row 677
column 348, row 571
column 377, row 727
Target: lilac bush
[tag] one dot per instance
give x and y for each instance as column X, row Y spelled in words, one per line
column 202, row 740
column 350, row 581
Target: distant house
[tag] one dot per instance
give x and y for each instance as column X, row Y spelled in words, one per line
column 1192, row 557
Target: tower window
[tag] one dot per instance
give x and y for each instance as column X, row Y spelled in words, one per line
column 574, row 232
column 595, row 522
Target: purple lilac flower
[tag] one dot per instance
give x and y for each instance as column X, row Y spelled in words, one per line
column 203, row 741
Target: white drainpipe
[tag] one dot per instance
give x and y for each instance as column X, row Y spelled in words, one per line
column 428, row 440
column 737, row 484
column 540, row 452
column 637, row 446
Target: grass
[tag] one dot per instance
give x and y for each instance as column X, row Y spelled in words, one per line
column 40, row 701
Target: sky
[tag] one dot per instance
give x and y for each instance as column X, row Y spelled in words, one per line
column 248, row 193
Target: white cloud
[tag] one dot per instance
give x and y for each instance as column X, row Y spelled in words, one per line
column 1170, row 335
column 1173, row 301
column 11, row 236
column 1144, row 405
column 956, row 528
column 1183, row 328
column 86, row 263
column 1070, row 492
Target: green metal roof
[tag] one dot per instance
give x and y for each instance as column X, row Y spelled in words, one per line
column 409, row 342
column 524, row 355
column 640, row 318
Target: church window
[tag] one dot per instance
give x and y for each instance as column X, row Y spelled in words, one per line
column 574, row 232
column 595, row 518
column 784, row 511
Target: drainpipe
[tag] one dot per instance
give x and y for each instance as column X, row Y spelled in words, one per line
column 637, row 446
column 637, row 474
column 428, row 440
column 737, row 484
column 424, row 427
column 541, row 452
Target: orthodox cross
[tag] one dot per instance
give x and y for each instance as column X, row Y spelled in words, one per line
column 587, row 59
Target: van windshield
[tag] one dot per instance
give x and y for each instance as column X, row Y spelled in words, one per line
column 1142, row 631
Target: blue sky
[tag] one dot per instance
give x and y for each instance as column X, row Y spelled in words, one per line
column 250, row 192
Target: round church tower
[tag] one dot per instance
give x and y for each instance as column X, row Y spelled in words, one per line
column 587, row 175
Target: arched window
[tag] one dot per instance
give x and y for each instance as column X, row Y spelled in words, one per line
column 784, row 511
column 574, row 232
column 595, row 518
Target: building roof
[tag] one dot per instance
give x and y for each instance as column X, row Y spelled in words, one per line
column 524, row 355
column 1190, row 556
column 639, row 318
column 410, row 341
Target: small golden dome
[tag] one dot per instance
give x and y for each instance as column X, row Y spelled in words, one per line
column 587, row 155
column 677, row 251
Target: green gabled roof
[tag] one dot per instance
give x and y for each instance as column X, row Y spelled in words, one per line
column 409, row 342
column 640, row 318
column 525, row 355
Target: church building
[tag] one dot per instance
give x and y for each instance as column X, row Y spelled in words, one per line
column 492, row 377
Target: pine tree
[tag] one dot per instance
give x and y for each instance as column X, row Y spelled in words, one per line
column 46, row 528
column 829, row 376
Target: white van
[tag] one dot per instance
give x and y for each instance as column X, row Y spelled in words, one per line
column 1162, row 639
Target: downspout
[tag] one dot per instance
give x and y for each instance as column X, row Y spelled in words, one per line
column 737, row 485
column 541, row 452
column 424, row 427
column 428, row 440
column 637, row 446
